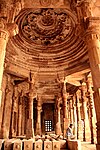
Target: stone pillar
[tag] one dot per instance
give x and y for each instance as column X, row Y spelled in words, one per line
column 6, row 30
column 90, row 107
column 6, row 117
column 19, row 116
column 38, row 123
column 86, row 128
column 30, row 130
column 32, row 94
column 75, row 115
column 24, row 116
column 65, row 119
column 83, row 111
column 79, row 122
column 58, row 118
column 70, row 110
column 4, row 34
column 92, row 39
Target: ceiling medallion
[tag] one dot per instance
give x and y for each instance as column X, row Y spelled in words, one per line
column 45, row 3
column 46, row 26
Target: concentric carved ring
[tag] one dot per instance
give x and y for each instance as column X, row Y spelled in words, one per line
column 45, row 3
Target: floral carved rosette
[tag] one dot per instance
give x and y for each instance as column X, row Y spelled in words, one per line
column 46, row 26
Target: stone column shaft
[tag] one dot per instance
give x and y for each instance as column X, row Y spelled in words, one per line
column 86, row 130
column 75, row 115
column 65, row 119
column 58, row 119
column 70, row 111
column 6, row 30
column 31, row 108
column 19, row 118
column 92, row 39
column 23, row 118
column 30, row 130
column 90, row 99
column 79, row 125
column 3, row 41
column 38, row 123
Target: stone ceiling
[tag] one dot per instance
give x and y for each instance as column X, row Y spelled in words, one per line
column 49, row 43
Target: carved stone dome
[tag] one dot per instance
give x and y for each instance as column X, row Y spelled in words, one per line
column 45, row 26
column 48, row 40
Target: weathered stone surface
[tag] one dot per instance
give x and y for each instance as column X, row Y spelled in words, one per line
column 55, row 145
column 17, row 145
column 47, row 144
column 38, row 145
column 28, row 144
column 8, row 144
column 74, row 145
column 63, row 144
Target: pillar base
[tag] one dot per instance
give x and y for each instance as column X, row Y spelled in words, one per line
column 97, row 146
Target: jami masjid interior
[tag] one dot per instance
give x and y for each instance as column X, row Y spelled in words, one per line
column 49, row 74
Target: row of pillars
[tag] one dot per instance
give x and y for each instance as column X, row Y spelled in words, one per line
column 81, row 105
column 6, row 31
column 79, row 110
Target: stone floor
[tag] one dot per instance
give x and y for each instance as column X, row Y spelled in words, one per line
column 88, row 146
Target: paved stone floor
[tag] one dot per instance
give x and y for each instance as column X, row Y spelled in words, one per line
column 88, row 146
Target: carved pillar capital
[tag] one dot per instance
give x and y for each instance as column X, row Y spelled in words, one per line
column 12, row 28
column 92, row 29
column 7, row 29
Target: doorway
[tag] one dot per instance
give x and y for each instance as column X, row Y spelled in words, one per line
column 47, row 117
